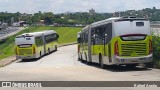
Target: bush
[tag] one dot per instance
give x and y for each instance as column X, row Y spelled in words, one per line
column 156, row 51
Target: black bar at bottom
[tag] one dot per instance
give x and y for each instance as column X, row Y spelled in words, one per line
column 80, row 84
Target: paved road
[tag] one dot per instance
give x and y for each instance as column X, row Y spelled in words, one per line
column 62, row 65
column 9, row 32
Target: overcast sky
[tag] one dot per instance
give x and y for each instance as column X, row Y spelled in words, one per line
column 61, row 6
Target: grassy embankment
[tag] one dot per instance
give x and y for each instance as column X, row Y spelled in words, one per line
column 67, row 35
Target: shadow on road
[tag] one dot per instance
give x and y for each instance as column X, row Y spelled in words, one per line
column 116, row 68
column 27, row 60
column 35, row 59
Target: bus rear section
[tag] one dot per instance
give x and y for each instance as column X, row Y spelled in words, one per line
column 132, row 42
column 25, row 48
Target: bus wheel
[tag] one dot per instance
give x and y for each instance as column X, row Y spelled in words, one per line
column 79, row 59
column 56, row 48
column 40, row 54
column 48, row 51
column 101, row 61
column 86, row 58
column 23, row 60
column 87, row 62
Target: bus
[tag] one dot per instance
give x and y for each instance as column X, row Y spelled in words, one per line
column 78, row 42
column 116, row 41
column 36, row 44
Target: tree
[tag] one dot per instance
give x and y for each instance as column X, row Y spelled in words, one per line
column 48, row 18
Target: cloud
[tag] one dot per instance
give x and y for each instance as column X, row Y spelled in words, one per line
column 59, row 6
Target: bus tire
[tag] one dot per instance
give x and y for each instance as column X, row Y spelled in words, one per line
column 23, row 60
column 79, row 59
column 101, row 61
column 85, row 57
column 87, row 62
column 40, row 54
column 56, row 48
column 49, row 51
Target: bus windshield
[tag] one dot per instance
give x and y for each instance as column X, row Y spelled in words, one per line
column 132, row 27
column 24, row 40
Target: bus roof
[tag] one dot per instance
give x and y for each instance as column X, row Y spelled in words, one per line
column 46, row 32
column 131, row 18
column 49, row 32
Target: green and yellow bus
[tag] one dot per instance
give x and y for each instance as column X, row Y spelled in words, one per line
column 36, row 44
column 116, row 41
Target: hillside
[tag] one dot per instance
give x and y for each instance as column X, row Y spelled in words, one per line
column 76, row 18
column 67, row 35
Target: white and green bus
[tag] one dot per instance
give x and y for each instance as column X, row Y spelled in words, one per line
column 36, row 44
column 116, row 41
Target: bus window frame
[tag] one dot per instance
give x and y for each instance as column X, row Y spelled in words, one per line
column 39, row 41
column 101, row 35
column 51, row 37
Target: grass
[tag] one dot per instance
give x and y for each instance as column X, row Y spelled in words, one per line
column 66, row 35
column 156, row 51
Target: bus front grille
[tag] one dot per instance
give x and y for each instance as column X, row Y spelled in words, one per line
column 134, row 49
column 25, row 51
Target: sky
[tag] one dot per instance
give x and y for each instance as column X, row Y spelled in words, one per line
column 62, row 6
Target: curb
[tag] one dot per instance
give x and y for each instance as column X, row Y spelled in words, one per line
column 3, row 65
column 67, row 44
column 6, row 61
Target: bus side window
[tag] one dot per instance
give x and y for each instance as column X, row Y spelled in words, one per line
column 108, row 32
column 81, row 38
column 86, row 37
column 99, row 35
column 51, row 37
column 93, row 36
column 39, row 41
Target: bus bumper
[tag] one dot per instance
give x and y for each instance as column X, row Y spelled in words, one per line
column 26, row 57
column 133, row 60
